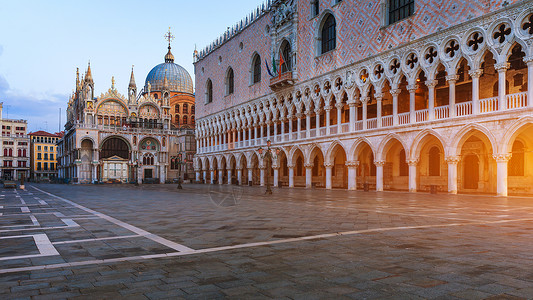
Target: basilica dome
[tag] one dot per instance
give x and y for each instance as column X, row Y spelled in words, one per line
column 178, row 78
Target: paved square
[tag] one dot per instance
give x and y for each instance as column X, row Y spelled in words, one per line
column 154, row 241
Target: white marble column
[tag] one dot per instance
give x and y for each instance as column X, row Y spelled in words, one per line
column 239, row 176
column 352, row 115
column 298, row 125
column 308, row 175
column 317, row 121
column 431, row 99
column 262, row 175
column 352, row 174
column 250, row 174
column 308, row 123
column 290, row 127
column 452, row 173
column 204, row 176
column 95, row 172
column 268, row 130
column 452, row 79
column 501, row 173
column 395, row 93
column 379, row 174
column 291, row 176
column 229, row 176
column 212, row 176
column 328, row 167
column 328, row 118
column 412, row 97
column 412, row 174
column 276, row 176
column 198, row 175
column 529, row 62
column 475, row 90
column 282, row 129
column 502, row 69
column 364, row 100
column 220, row 177
column 379, row 98
column 339, row 107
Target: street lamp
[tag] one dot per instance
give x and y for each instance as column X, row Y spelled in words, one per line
column 179, row 163
column 272, row 155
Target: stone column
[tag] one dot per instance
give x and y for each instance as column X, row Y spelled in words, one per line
column 502, row 101
column 364, row 100
column 379, row 98
column 212, row 176
column 501, row 173
column 412, row 174
column 317, row 121
column 262, row 175
column 431, row 99
column 250, row 174
column 328, row 176
column 339, row 107
column 328, row 118
column 229, row 176
column 95, row 172
column 239, row 136
column 452, row 173
column 282, row 129
column 529, row 62
column 308, row 124
column 308, row 175
column 204, row 171
column 351, row 104
column 352, row 174
column 239, row 176
column 475, row 90
column 395, row 93
column 198, row 175
column 379, row 175
column 220, row 177
column 412, row 108
column 298, row 125
column 452, row 79
column 276, row 176
column 291, row 176
column 290, row 127
column 268, row 129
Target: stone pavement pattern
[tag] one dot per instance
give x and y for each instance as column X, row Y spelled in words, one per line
column 154, row 242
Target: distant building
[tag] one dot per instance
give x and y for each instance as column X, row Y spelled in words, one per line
column 43, row 155
column 133, row 138
column 14, row 151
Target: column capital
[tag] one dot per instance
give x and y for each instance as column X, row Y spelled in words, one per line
column 413, row 162
column 452, row 160
column 395, row 92
column 327, row 108
column 352, row 164
column 412, row 87
column 291, row 166
column 339, row 105
column 431, row 83
column 452, row 78
column 317, row 111
column 329, row 166
column 351, row 103
column 476, row 73
column 379, row 163
column 364, row 100
column 308, row 166
column 528, row 60
column 502, row 67
column 211, row 169
column 197, row 169
column 502, row 158
column 299, row 115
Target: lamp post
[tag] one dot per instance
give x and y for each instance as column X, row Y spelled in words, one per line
column 270, row 153
column 179, row 163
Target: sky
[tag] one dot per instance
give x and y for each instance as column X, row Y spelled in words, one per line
column 43, row 42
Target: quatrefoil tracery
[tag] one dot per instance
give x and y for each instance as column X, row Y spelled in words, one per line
column 502, row 33
column 431, row 55
column 452, row 48
column 475, row 41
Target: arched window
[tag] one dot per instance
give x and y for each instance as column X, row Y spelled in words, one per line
column 185, row 108
column 209, row 92
column 184, row 119
column 177, row 119
column 328, row 34
column 193, row 109
column 404, row 168
column 192, row 119
column 155, row 96
column 177, row 108
column 516, row 163
column 256, row 72
column 230, row 82
column 434, row 162
column 286, row 53
column 10, row 152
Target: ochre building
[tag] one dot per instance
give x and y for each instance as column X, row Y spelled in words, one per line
column 43, row 155
column 389, row 95
column 144, row 137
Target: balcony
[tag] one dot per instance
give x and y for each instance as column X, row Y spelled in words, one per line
column 283, row 81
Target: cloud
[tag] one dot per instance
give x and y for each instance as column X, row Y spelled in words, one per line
column 41, row 111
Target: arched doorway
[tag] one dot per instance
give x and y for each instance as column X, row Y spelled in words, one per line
column 471, row 172
column 520, row 165
column 339, row 172
column 256, row 174
column 244, row 173
column 318, row 170
column 299, row 169
column 366, row 172
column 86, row 155
column 283, row 169
column 432, row 168
column 114, row 155
column 477, row 164
column 395, row 170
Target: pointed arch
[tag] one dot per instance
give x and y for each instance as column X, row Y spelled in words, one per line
column 386, row 143
column 464, row 133
column 332, row 150
column 420, row 139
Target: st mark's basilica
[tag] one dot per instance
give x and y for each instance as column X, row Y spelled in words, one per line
column 144, row 137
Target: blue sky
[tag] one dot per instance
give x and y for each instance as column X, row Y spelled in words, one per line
column 42, row 43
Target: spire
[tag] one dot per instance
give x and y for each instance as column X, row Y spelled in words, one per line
column 89, row 76
column 132, row 79
column 169, row 58
column 77, row 77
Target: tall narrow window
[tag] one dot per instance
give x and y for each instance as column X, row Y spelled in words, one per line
column 185, row 108
column 256, row 69
column 434, row 161
column 184, row 119
column 400, row 9
column 209, row 92
column 315, row 8
column 177, row 108
column 404, row 168
column 177, row 119
column 229, row 82
column 193, row 109
column 286, row 54
column 328, row 34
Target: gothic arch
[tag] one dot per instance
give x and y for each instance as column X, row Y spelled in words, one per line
column 329, row 155
column 386, row 142
column 419, row 140
column 512, row 133
column 464, row 133
column 357, row 145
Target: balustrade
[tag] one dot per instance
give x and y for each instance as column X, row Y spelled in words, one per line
column 422, row 115
column 358, row 125
column 386, row 121
column 404, row 118
column 372, row 123
column 345, row 127
column 333, row 130
column 488, row 105
column 517, row 100
column 463, row 109
column 442, row 112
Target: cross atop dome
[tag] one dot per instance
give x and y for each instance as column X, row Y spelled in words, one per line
column 169, row 58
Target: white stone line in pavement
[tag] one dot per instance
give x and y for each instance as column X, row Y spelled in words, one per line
column 86, row 218
column 41, row 241
column 248, row 245
column 70, row 223
column 21, row 200
column 39, row 228
column 59, row 214
column 42, row 202
column 97, row 239
column 24, row 209
column 131, row 228
column 34, row 220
